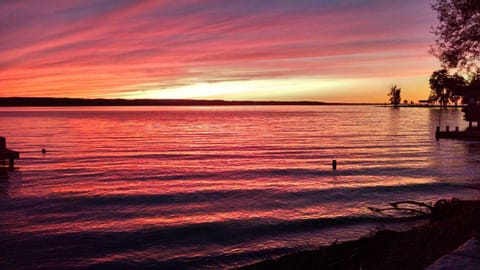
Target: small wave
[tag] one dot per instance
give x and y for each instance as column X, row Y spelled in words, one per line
column 218, row 261
column 221, row 233
column 264, row 199
column 301, row 173
column 68, row 247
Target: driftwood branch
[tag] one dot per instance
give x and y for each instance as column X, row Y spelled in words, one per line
column 429, row 207
column 402, row 207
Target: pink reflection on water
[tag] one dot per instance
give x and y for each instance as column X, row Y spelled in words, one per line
column 133, row 169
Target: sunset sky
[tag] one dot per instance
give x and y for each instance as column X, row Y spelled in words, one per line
column 345, row 51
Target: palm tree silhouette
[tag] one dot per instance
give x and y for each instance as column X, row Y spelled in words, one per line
column 394, row 95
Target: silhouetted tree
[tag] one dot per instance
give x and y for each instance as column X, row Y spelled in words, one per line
column 474, row 83
column 394, row 95
column 458, row 34
column 457, row 85
column 458, row 48
column 440, row 91
column 446, row 88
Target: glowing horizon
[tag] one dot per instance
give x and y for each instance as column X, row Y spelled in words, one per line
column 293, row 50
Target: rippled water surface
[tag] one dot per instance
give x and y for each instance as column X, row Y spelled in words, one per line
column 214, row 187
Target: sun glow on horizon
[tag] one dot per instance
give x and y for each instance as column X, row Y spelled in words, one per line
column 314, row 89
column 309, row 88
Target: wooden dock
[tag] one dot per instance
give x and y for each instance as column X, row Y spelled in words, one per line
column 7, row 154
column 467, row 135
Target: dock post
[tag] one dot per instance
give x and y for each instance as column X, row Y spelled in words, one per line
column 437, row 133
column 447, row 129
column 334, row 164
column 3, row 148
column 11, row 164
column 3, row 144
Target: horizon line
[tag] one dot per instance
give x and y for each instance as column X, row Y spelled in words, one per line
column 49, row 101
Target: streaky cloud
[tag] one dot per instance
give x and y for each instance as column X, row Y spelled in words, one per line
column 92, row 48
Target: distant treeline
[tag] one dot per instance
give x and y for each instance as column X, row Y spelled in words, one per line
column 27, row 101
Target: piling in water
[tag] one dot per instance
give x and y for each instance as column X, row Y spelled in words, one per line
column 3, row 144
column 7, row 154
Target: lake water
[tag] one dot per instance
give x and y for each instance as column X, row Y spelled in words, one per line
column 214, row 187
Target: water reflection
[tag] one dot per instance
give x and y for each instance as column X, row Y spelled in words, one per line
column 4, row 186
column 261, row 174
column 472, row 152
column 446, row 117
column 394, row 114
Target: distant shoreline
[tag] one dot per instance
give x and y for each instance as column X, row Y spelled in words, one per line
column 83, row 102
column 420, row 105
column 80, row 102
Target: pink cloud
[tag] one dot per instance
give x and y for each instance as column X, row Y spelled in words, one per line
column 78, row 48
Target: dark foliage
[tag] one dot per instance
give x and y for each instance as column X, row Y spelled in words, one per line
column 446, row 88
column 458, row 33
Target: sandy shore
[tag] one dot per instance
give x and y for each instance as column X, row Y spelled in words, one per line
column 450, row 224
